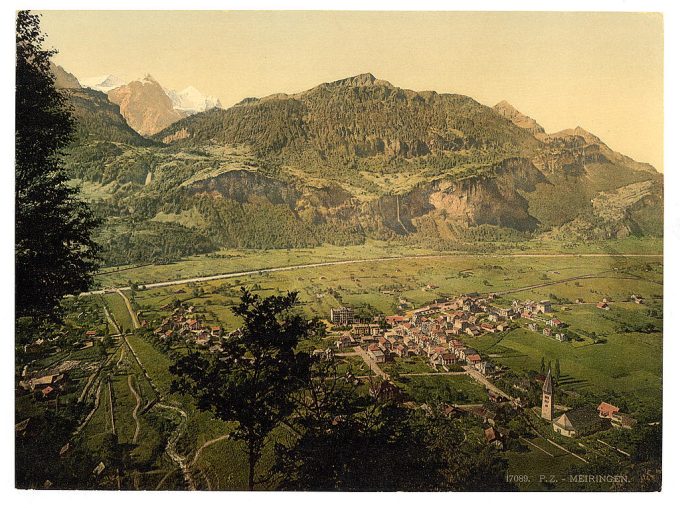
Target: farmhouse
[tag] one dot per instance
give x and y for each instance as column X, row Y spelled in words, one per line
column 472, row 359
column 556, row 323
column 488, row 327
column 607, row 410
column 395, row 320
column 544, row 306
column 473, row 331
column 493, row 437
column 343, row 341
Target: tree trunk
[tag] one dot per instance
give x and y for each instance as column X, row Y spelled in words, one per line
column 252, row 459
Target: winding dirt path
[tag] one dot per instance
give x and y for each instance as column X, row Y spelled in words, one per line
column 136, row 409
column 206, row 444
column 171, row 447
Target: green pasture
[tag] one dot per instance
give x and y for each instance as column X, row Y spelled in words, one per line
column 237, row 260
column 458, row 389
column 116, row 305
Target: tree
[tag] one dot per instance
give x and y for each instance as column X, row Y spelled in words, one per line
column 253, row 381
column 543, row 365
column 557, row 371
column 55, row 252
column 346, row 441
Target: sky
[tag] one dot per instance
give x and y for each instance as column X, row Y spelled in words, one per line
column 600, row 71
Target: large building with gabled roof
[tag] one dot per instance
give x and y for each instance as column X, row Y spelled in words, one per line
column 579, row 422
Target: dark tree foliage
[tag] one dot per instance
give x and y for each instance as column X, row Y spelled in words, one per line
column 642, row 473
column 252, row 382
column 350, row 442
column 38, row 459
column 55, row 254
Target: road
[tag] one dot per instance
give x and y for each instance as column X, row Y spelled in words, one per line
column 138, row 399
column 480, row 378
column 133, row 314
column 208, row 278
column 416, row 374
column 372, row 365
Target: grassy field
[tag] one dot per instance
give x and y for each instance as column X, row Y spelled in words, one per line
column 413, row 365
column 146, row 465
column 237, row 260
column 114, row 302
column 535, row 470
column 379, row 287
column 451, row 389
column 613, row 363
column 627, row 363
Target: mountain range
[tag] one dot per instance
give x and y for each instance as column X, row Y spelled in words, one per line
column 147, row 106
column 344, row 162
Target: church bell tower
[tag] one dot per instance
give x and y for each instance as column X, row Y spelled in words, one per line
column 548, row 403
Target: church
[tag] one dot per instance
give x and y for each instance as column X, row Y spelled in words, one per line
column 575, row 422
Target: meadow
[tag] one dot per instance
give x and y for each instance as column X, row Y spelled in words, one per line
column 237, row 260
column 613, row 360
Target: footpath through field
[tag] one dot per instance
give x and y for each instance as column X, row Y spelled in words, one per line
column 171, row 447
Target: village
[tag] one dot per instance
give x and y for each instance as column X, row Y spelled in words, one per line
column 442, row 335
column 437, row 342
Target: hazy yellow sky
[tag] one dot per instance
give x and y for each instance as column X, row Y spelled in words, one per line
column 600, row 71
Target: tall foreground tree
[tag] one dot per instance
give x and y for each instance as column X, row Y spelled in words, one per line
column 347, row 441
column 253, row 380
column 55, row 252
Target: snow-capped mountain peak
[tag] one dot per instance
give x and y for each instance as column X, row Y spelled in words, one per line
column 103, row 83
column 191, row 100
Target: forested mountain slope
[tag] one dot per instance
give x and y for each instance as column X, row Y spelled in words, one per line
column 345, row 161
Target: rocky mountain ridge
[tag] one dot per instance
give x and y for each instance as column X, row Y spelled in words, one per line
column 359, row 158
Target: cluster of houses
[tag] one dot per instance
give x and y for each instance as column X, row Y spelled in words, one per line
column 49, row 345
column 433, row 332
column 47, row 383
column 425, row 339
column 184, row 325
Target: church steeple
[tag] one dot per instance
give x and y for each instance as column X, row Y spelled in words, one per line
column 547, row 384
column 547, row 406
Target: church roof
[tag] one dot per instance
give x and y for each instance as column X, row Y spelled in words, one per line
column 583, row 420
column 547, row 385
